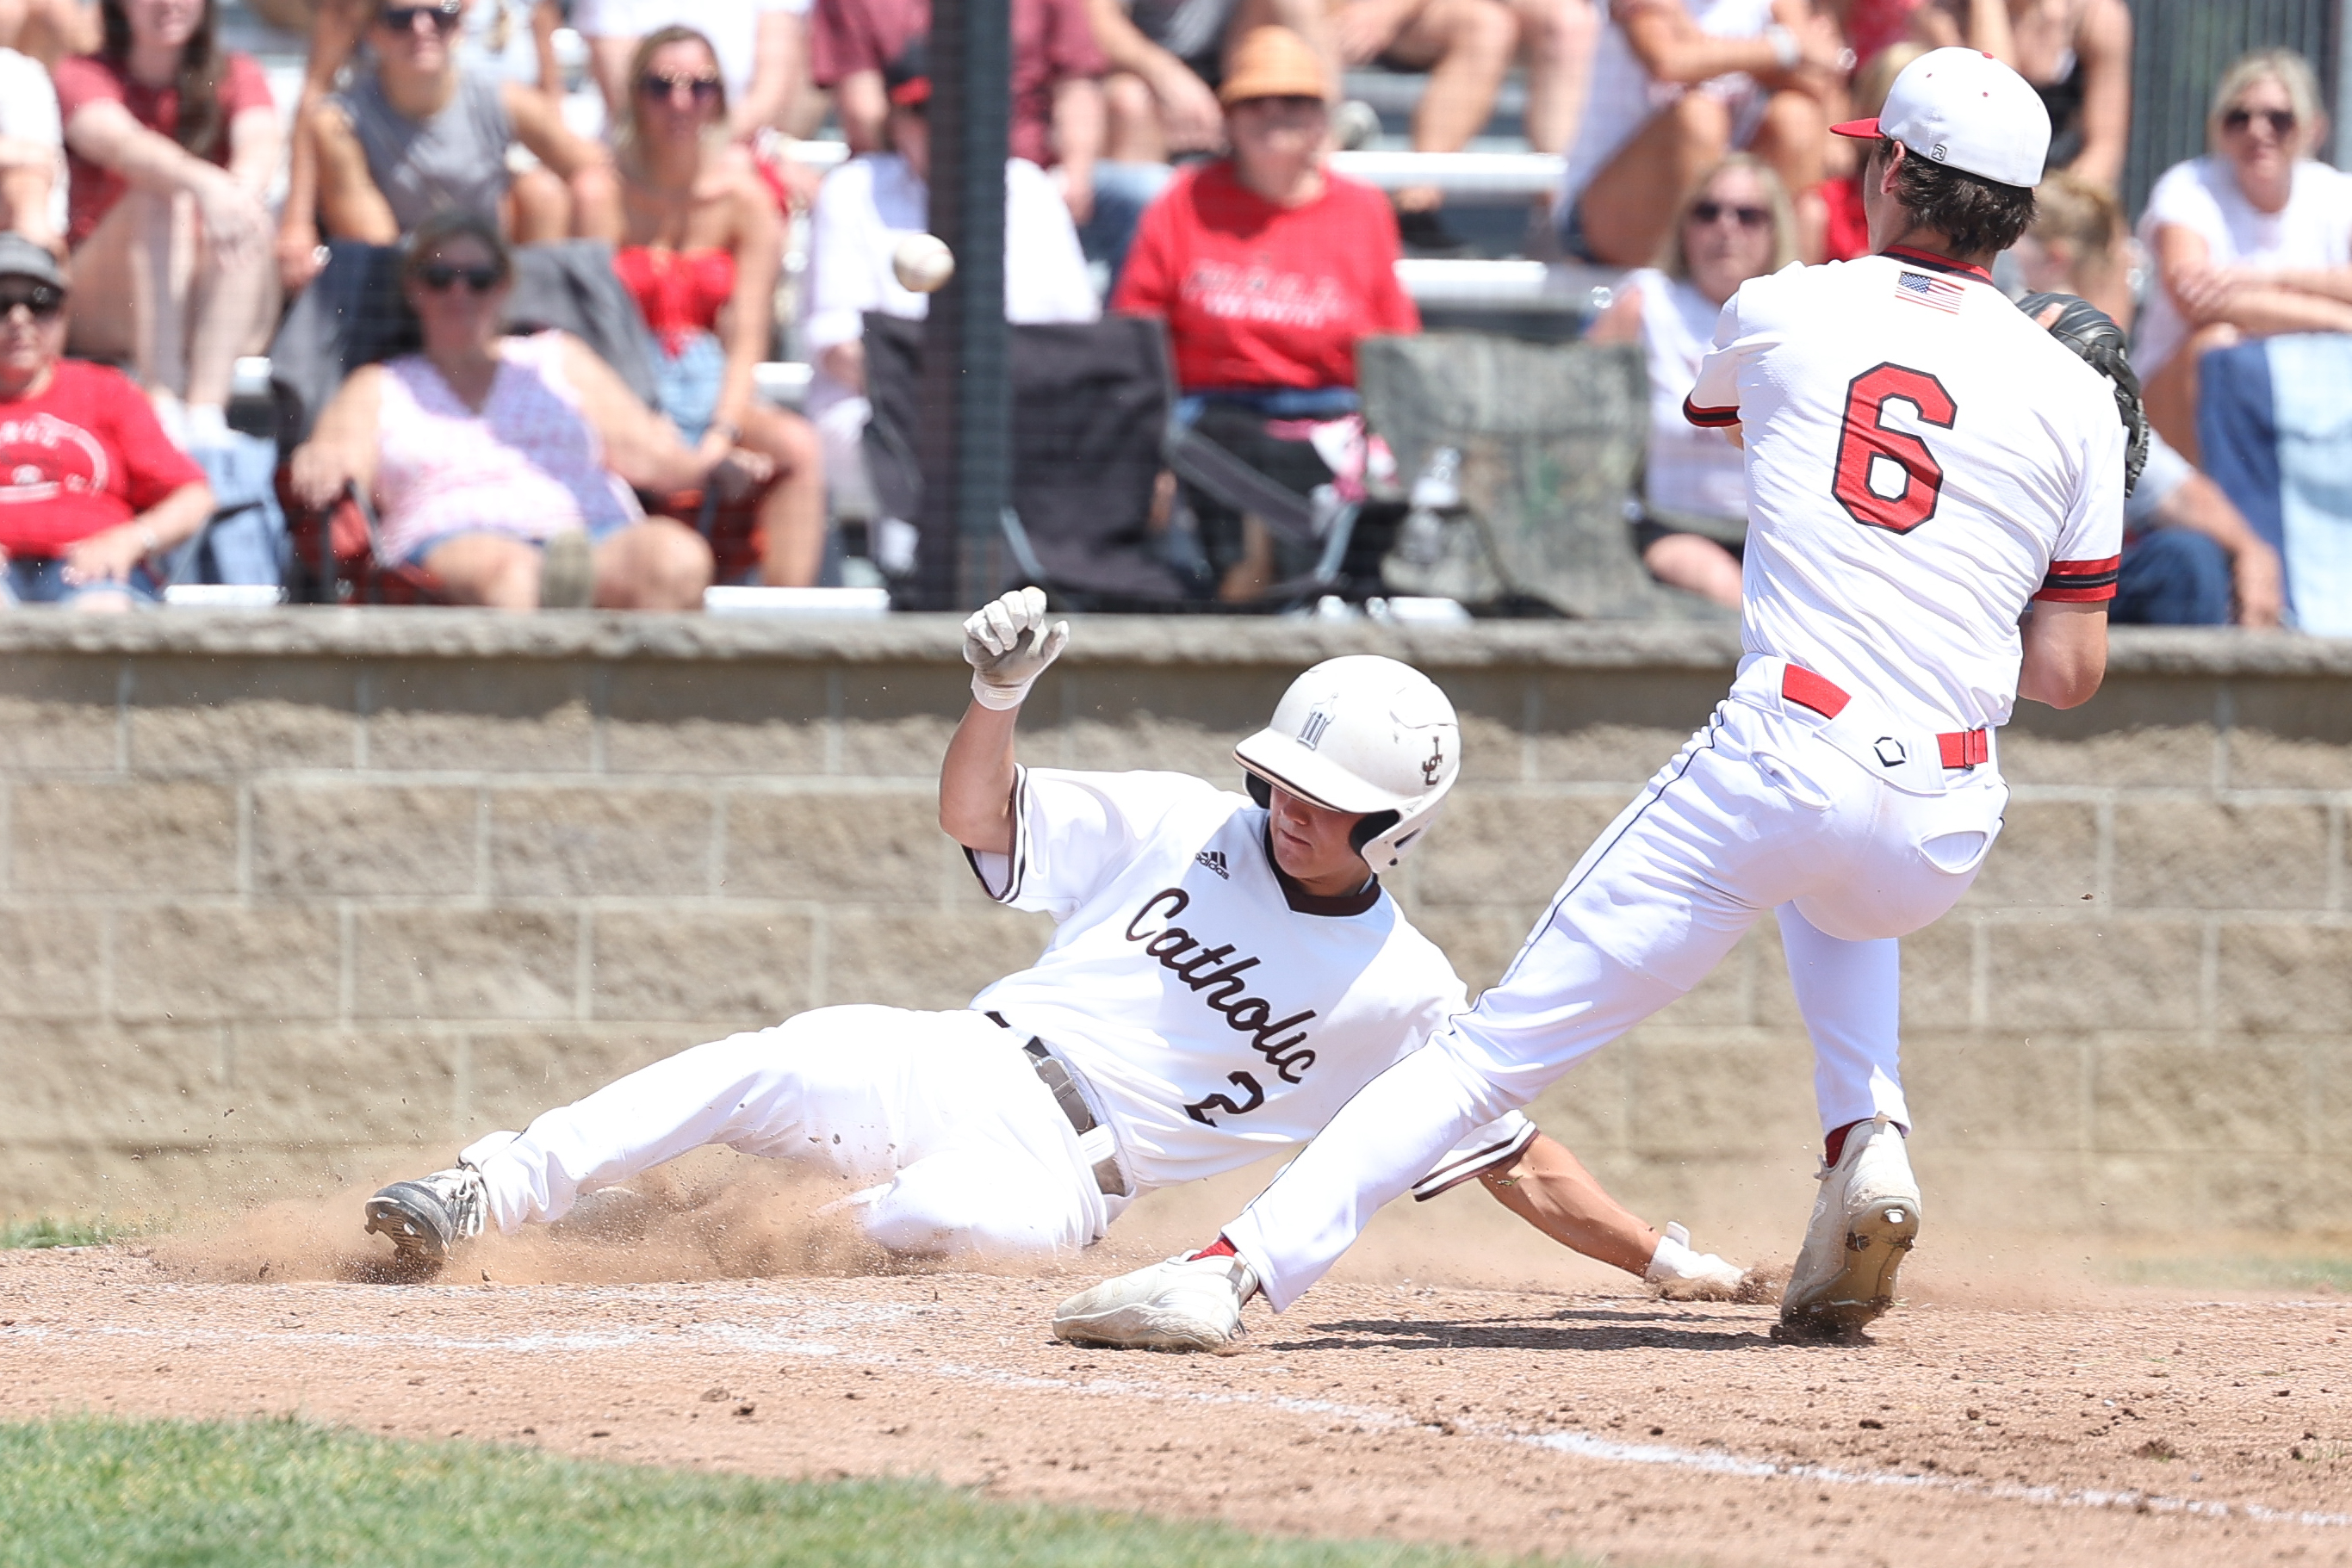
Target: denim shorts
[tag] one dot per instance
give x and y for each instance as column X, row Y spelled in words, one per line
column 41, row 580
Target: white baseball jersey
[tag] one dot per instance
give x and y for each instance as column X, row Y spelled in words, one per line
column 1217, row 1010
column 1922, row 461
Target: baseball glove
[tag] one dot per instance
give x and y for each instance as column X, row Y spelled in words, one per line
column 2099, row 343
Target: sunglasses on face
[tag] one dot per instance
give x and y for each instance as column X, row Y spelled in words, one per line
column 1705, row 213
column 440, row 277
column 402, row 18
column 2280, row 120
column 41, row 301
column 664, row 89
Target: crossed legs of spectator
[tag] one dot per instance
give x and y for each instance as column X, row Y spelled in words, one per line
column 1466, row 45
column 791, row 514
column 655, row 564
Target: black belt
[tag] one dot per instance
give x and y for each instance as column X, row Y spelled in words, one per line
column 1056, row 1075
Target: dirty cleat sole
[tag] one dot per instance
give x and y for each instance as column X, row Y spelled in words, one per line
column 1876, row 1242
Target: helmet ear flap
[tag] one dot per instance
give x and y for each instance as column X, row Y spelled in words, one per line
column 1372, row 828
column 1259, row 790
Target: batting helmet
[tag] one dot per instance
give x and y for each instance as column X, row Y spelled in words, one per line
column 1361, row 734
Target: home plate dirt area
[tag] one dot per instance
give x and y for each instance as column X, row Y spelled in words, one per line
column 2139, row 1429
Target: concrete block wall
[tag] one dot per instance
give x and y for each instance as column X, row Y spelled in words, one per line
column 293, row 899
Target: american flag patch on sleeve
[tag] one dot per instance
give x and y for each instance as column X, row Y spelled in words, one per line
column 1935, row 292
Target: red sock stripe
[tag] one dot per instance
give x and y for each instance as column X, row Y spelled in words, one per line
column 1220, row 1247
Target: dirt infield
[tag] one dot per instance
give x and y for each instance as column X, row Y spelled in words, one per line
column 2121, row 1427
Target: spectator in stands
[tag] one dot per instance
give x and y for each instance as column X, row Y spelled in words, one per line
column 1846, row 227
column 2190, row 556
column 504, row 466
column 1675, row 87
column 702, row 249
column 171, row 148
column 1872, row 26
column 1057, row 106
column 93, row 496
column 863, row 209
column 51, row 30
column 1737, row 224
column 762, row 44
column 32, row 153
column 416, row 134
column 1268, row 269
column 2077, row 54
column 2250, row 240
column 1466, row 45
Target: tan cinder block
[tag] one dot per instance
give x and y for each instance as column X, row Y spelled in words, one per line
column 873, row 846
column 2139, row 729
column 2289, row 734
column 92, row 1082
column 466, row 964
column 2328, row 1077
column 896, row 718
column 1492, row 707
column 237, row 715
column 1939, row 975
column 511, row 715
column 219, row 961
column 2237, row 1095
column 2253, row 1192
column 1169, row 718
column 1508, row 850
column 1720, row 1092
column 128, row 836
column 2285, row 979
column 1481, row 944
column 364, row 838
column 1728, row 994
column 302, row 1085
column 2076, row 975
column 2204, row 856
column 513, row 1074
column 2047, row 854
column 1965, row 1188
column 51, row 963
column 2138, row 1194
column 723, row 718
column 582, row 842
column 1619, row 728
column 918, row 960
column 752, row 965
column 1589, row 1107
column 58, row 713
column 1976, row 1092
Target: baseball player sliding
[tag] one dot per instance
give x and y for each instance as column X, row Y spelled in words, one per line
column 1226, row 972
column 1925, row 466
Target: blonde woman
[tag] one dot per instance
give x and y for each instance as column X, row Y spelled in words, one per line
column 2251, row 240
column 1737, row 223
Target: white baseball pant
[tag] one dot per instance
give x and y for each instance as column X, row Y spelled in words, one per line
column 965, row 1149
column 1769, row 807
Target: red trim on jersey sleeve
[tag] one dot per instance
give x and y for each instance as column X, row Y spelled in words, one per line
column 2082, row 581
column 1713, row 418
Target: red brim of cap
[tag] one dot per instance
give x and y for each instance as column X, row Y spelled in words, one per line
column 1866, row 128
column 911, row 94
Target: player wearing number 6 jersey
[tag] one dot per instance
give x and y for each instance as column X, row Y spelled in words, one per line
column 1925, row 466
column 1225, row 971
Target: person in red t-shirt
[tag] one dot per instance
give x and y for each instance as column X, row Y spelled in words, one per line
column 1268, row 270
column 1057, row 105
column 171, row 146
column 91, row 495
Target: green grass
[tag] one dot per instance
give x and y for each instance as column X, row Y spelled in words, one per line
column 43, row 1231
column 2247, row 1271
column 94, row 1493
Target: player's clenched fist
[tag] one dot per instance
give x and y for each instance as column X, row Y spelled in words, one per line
column 1008, row 645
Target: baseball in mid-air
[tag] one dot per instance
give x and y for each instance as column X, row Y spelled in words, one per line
column 923, row 263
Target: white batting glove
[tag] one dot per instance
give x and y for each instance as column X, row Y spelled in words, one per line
column 1679, row 1274
column 1008, row 645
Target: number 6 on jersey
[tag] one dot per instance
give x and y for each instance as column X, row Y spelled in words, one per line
column 1871, row 457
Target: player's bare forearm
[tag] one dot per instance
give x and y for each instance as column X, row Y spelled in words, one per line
column 1549, row 1188
column 976, row 780
column 2065, row 652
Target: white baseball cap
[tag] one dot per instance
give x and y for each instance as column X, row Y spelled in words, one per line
column 1964, row 108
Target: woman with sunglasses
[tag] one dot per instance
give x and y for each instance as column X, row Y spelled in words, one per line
column 417, row 134
column 505, row 465
column 1736, row 225
column 171, row 145
column 2251, row 240
column 701, row 248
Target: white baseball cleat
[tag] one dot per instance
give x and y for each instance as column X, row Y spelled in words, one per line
column 1679, row 1274
column 1864, row 1225
column 428, row 1216
column 1188, row 1302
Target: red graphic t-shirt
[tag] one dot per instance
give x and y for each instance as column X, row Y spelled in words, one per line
column 91, row 190
column 1258, row 296
column 84, row 456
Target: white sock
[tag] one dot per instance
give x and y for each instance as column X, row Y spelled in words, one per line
column 207, row 424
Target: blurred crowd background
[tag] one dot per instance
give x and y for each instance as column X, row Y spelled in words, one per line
column 553, row 303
